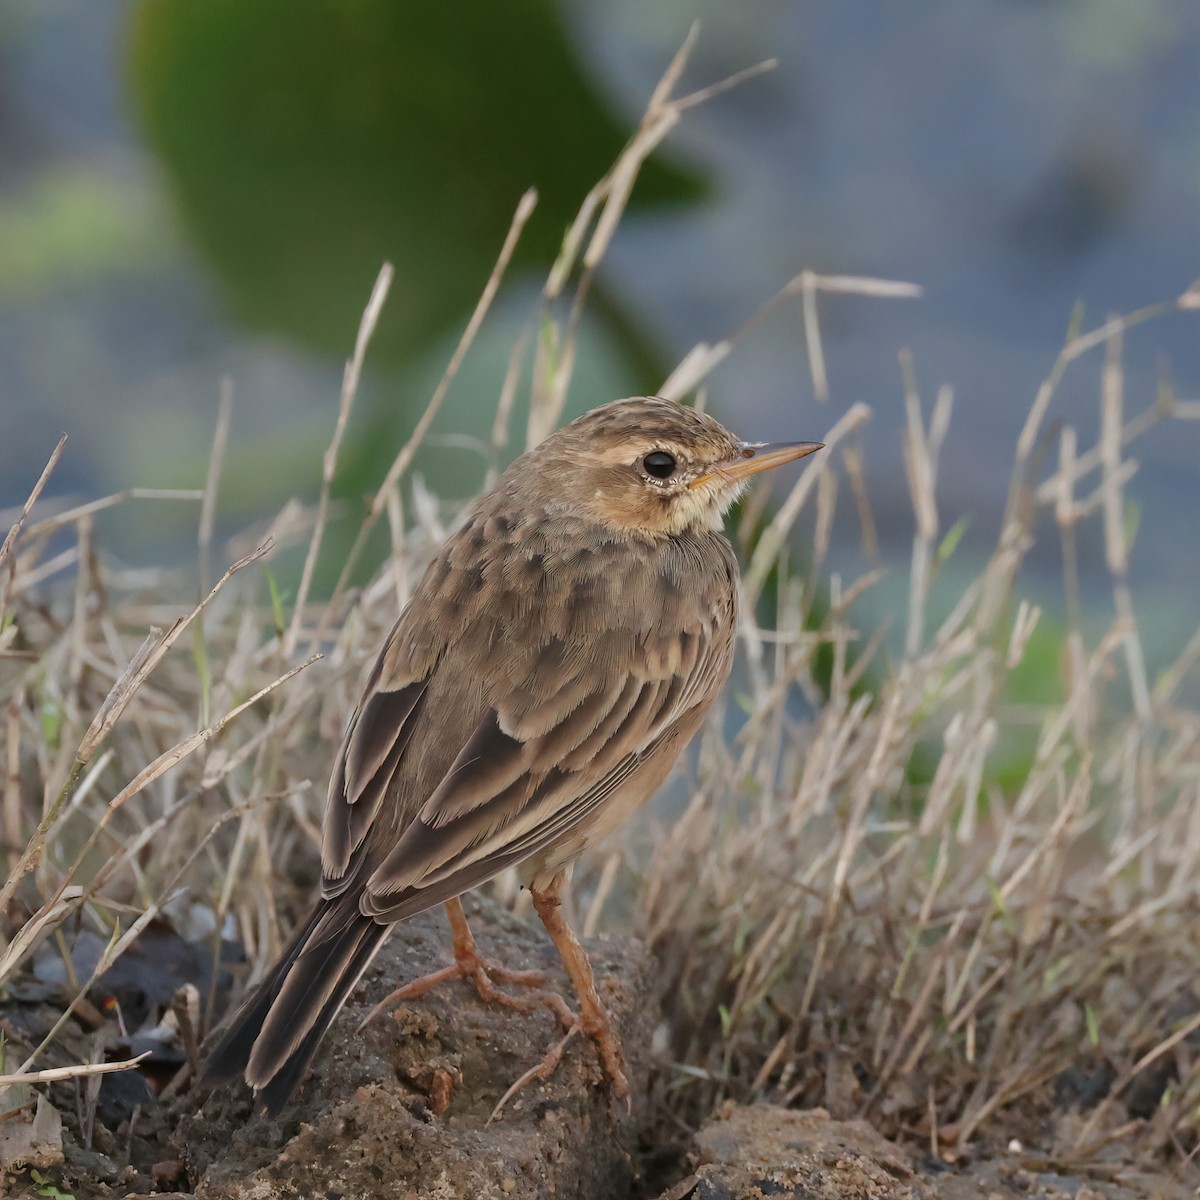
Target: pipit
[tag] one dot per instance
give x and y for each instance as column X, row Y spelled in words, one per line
column 557, row 656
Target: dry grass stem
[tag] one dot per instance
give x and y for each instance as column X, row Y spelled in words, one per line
column 404, row 459
column 55, row 1074
column 350, row 379
column 8, row 564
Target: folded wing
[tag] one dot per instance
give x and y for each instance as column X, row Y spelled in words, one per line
column 533, row 770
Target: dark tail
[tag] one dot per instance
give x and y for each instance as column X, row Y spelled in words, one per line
column 274, row 1035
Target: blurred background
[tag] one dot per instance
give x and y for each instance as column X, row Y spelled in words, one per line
column 192, row 192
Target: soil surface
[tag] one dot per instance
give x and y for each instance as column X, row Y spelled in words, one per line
column 403, row 1110
column 747, row 1153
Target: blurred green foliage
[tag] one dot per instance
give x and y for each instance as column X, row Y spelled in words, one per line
column 72, row 225
column 307, row 142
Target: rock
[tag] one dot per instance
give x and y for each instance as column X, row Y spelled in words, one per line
column 758, row 1151
column 366, row 1122
column 31, row 1132
column 750, row 1152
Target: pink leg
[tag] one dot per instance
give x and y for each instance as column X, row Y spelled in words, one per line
column 594, row 1020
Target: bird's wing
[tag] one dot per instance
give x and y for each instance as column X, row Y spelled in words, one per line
column 367, row 762
column 543, row 758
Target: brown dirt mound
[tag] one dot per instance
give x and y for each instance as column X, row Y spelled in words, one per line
column 365, row 1122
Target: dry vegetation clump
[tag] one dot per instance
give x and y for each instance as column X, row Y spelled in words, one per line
column 856, row 913
column 852, row 910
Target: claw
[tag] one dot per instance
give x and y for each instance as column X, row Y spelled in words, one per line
column 542, row 1070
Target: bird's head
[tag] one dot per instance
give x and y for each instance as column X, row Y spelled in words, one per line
column 652, row 467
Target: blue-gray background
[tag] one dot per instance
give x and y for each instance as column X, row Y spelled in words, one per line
column 193, row 191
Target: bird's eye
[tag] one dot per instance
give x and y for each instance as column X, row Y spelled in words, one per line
column 659, row 463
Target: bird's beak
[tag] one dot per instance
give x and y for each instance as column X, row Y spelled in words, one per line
column 757, row 456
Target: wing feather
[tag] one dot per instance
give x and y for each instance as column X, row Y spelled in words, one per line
column 366, row 765
column 505, row 798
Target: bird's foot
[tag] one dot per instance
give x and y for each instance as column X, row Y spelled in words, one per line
column 486, row 976
column 607, row 1043
column 489, row 979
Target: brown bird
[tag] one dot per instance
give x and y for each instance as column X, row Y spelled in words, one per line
column 558, row 654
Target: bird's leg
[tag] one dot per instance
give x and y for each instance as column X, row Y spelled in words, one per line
column 485, row 975
column 594, row 1019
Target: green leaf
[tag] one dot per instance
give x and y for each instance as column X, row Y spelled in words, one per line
column 48, row 1189
column 953, row 536
column 51, row 722
column 203, row 671
column 726, row 1019
column 335, row 137
column 1132, row 521
column 276, row 601
column 999, row 904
